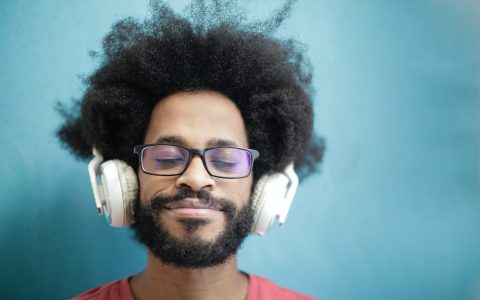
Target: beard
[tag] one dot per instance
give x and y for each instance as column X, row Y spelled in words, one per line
column 191, row 252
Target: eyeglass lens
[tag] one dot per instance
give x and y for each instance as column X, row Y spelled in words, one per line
column 172, row 160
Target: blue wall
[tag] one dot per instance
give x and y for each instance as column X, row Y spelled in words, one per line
column 395, row 213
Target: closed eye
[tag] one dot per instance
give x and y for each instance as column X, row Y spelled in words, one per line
column 224, row 165
column 168, row 162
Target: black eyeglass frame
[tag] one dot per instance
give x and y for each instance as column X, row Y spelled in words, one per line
column 138, row 150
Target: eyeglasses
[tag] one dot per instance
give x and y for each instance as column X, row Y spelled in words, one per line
column 171, row 160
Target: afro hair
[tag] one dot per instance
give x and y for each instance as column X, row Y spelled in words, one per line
column 211, row 47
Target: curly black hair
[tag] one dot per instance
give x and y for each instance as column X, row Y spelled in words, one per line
column 211, row 47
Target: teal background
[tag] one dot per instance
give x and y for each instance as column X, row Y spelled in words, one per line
column 395, row 213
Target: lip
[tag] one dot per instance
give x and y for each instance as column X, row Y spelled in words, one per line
column 191, row 203
column 192, row 208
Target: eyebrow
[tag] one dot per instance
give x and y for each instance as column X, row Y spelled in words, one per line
column 171, row 139
column 180, row 141
column 221, row 143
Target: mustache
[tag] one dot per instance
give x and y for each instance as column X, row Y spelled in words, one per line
column 158, row 201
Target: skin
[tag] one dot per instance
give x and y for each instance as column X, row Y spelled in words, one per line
column 196, row 120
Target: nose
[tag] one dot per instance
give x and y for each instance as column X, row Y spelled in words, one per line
column 196, row 177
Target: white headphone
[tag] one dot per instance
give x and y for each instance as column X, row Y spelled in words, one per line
column 115, row 188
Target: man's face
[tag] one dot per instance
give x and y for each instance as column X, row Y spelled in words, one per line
column 194, row 219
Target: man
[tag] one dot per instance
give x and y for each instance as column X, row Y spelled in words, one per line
column 204, row 110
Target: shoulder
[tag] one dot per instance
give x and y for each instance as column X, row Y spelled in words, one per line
column 118, row 290
column 262, row 288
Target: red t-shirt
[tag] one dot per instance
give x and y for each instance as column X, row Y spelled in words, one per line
column 259, row 288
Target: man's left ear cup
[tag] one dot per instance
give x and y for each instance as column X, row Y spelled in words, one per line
column 271, row 198
column 268, row 201
column 258, row 201
column 120, row 187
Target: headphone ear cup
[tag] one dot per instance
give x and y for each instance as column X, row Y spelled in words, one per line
column 272, row 197
column 120, row 187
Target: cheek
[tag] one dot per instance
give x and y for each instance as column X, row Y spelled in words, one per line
column 151, row 185
column 239, row 190
column 143, row 182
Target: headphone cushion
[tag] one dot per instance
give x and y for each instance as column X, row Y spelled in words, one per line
column 271, row 201
column 129, row 186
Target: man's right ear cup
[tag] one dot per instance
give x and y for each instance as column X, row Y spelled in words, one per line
column 120, row 189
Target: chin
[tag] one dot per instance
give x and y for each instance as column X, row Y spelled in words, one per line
column 202, row 229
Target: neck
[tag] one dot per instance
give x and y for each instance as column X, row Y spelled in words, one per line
column 161, row 281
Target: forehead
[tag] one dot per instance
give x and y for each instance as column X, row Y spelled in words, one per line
column 197, row 119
